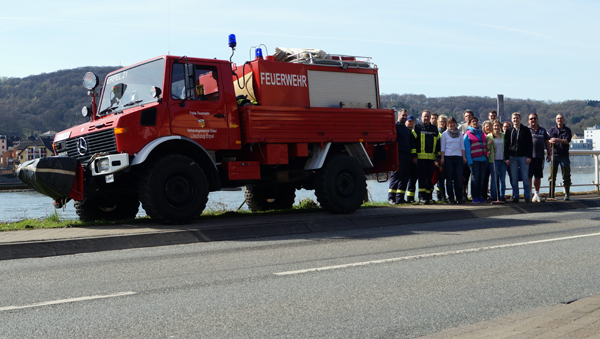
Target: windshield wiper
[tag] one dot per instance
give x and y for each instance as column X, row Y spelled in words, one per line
column 132, row 103
column 107, row 110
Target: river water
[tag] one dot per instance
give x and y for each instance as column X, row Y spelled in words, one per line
column 19, row 205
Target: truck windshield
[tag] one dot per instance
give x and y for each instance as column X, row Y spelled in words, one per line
column 131, row 87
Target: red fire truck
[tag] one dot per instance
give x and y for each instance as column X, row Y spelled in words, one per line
column 167, row 131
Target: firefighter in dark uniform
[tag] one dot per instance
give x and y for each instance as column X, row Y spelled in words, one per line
column 427, row 151
column 399, row 178
column 410, row 186
column 414, row 173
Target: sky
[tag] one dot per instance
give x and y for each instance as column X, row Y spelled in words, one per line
column 527, row 49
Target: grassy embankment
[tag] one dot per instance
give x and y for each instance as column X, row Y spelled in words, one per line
column 54, row 220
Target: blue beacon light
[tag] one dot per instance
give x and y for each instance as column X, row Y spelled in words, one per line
column 232, row 42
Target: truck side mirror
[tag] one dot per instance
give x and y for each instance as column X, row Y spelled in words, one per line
column 190, row 78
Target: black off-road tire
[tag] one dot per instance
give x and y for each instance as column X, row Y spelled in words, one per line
column 269, row 197
column 174, row 190
column 102, row 209
column 340, row 186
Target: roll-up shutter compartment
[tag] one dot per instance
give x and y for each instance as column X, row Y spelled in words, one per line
column 354, row 90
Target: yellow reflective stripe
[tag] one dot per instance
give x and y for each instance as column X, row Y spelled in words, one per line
column 423, row 154
column 422, row 190
column 411, row 194
column 426, row 156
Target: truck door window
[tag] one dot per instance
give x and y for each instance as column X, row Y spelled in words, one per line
column 206, row 86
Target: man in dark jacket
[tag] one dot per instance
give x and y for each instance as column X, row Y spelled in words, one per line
column 427, row 150
column 560, row 137
column 536, row 167
column 399, row 179
column 518, row 151
column 413, row 177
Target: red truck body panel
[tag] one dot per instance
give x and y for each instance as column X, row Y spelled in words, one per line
column 309, row 125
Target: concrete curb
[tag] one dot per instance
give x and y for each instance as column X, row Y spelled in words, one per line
column 281, row 225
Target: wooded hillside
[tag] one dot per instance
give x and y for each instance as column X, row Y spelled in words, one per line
column 48, row 101
column 579, row 114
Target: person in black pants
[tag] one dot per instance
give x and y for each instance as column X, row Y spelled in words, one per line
column 427, row 150
column 410, row 186
column 441, row 184
column 399, row 179
column 453, row 158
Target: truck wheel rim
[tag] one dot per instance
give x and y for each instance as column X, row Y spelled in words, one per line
column 178, row 191
column 345, row 184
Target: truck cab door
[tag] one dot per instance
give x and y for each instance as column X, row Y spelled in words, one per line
column 197, row 104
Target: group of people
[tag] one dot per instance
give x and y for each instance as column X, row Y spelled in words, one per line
column 439, row 150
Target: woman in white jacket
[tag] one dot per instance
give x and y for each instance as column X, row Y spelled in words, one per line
column 453, row 159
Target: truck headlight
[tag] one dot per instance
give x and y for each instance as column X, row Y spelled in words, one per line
column 102, row 165
column 110, row 164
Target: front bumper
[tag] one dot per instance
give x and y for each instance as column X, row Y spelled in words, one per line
column 108, row 164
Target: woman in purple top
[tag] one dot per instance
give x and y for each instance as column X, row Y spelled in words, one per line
column 476, row 151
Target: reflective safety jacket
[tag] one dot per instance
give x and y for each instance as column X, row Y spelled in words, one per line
column 427, row 143
column 475, row 145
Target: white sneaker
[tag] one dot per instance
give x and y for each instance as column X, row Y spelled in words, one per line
column 536, row 198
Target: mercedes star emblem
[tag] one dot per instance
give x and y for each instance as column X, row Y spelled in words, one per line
column 82, row 146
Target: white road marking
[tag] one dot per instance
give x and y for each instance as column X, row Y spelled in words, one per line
column 430, row 255
column 64, row 301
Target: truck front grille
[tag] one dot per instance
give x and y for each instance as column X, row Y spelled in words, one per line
column 103, row 141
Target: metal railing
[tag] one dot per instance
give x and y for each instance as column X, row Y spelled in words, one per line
column 595, row 154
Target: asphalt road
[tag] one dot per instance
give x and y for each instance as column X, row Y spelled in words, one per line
column 388, row 282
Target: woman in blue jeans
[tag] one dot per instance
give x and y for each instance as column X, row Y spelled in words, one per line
column 453, row 158
column 496, row 158
column 476, row 151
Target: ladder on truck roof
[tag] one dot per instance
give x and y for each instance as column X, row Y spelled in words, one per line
column 319, row 57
